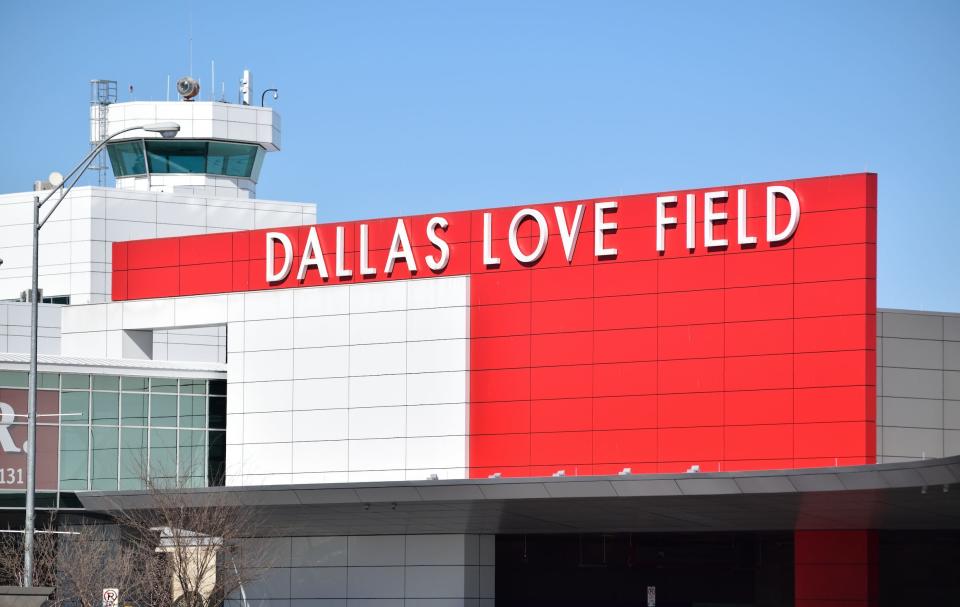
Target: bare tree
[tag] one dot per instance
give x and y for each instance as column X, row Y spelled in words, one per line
column 79, row 558
column 178, row 547
column 200, row 535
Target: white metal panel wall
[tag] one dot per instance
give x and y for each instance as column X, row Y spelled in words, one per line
column 15, row 327
column 325, row 384
column 348, row 383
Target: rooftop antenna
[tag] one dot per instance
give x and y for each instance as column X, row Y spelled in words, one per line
column 245, row 88
column 190, row 37
column 213, row 79
column 168, row 87
column 102, row 94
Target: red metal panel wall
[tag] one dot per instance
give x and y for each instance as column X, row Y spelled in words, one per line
column 743, row 357
column 836, row 568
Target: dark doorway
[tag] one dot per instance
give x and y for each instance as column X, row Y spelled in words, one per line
column 705, row 569
column 919, row 568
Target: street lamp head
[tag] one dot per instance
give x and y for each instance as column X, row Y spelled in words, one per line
column 167, row 130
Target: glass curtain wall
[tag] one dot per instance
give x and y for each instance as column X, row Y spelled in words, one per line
column 115, row 431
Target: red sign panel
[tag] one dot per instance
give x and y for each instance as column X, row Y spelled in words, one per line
column 13, row 439
column 728, row 328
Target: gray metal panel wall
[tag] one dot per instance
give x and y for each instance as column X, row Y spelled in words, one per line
column 918, row 385
column 384, row 570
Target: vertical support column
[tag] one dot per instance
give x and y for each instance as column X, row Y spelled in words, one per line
column 836, row 568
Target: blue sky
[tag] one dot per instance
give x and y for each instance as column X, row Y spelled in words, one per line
column 405, row 107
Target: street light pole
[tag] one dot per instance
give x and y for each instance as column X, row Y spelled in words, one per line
column 166, row 130
column 32, row 403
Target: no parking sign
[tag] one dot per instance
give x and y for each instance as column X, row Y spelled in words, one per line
column 110, row 596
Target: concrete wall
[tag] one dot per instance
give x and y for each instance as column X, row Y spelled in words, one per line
column 918, row 385
column 15, row 327
column 376, row 570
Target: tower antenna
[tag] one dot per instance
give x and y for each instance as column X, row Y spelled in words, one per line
column 102, row 94
column 190, row 36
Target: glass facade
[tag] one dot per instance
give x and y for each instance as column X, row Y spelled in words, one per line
column 191, row 156
column 115, row 430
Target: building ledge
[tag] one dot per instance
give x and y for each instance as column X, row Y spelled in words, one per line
column 913, row 495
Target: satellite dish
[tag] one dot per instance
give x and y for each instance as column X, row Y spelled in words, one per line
column 55, row 179
column 188, row 88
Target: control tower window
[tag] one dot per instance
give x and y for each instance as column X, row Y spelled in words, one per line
column 186, row 156
column 127, row 158
column 177, row 156
column 231, row 159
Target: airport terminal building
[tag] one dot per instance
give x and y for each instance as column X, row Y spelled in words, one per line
column 681, row 398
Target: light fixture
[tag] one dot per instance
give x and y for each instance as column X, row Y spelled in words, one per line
column 625, row 472
column 495, row 475
column 167, row 130
column 560, row 473
column 693, row 469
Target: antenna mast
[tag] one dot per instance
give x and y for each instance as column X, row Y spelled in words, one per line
column 102, row 94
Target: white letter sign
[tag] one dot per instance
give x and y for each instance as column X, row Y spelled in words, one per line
column 710, row 216
column 600, row 227
column 312, row 256
column 284, row 240
column 433, row 263
column 569, row 234
column 365, row 268
column 488, row 258
column 663, row 220
column 400, row 249
column 742, row 236
column 791, row 196
column 541, row 243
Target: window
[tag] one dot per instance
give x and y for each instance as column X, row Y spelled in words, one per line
column 76, row 381
column 13, row 379
column 163, row 455
column 231, row 159
column 105, row 408
column 103, row 465
column 74, row 442
column 133, row 457
column 192, row 409
column 135, row 384
column 192, row 457
column 163, row 410
column 126, row 157
column 75, row 408
column 185, row 156
column 133, row 409
column 177, row 156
